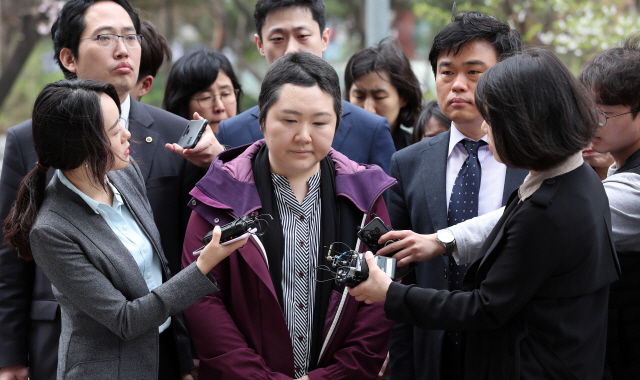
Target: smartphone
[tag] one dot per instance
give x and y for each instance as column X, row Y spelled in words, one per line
column 192, row 133
column 371, row 233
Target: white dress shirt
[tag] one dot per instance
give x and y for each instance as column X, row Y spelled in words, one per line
column 125, row 107
column 493, row 172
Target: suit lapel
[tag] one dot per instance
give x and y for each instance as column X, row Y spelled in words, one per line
column 256, row 133
column 141, row 214
column 512, row 181
column 434, row 177
column 144, row 141
column 343, row 129
column 511, row 209
column 93, row 226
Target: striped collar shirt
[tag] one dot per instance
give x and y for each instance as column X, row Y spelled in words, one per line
column 301, row 230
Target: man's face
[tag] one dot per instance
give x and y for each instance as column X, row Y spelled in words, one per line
column 291, row 30
column 456, row 79
column 620, row 134
column 116, row 65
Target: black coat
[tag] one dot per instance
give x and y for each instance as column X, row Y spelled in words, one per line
column 535, row 299
column 418, row 202
column 29, row 312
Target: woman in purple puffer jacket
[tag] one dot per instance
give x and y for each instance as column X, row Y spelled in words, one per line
column 277, row 315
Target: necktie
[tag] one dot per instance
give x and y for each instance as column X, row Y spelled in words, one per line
column 463, row 205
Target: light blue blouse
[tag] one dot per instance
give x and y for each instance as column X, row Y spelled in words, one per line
column 124, row 225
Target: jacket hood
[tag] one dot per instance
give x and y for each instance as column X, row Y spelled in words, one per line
column 232, row 171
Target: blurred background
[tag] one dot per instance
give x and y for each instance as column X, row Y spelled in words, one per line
column 574, row 30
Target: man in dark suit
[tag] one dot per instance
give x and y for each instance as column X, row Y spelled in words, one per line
column 290, row 26
column 29, row 313
column 430, row 192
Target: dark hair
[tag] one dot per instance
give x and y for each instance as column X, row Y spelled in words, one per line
column 68, row 131
column 538, row 111
column 387, row 56
column 265, row 7
column 470, row 26
column 430, row 110
column 193, row 73
column 613, row 76
column 154, row 48
column 69, row 25
column 300, row 69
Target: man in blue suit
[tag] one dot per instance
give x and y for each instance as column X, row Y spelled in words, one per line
column 29, row 313
column 288, row 26
column 431, row 194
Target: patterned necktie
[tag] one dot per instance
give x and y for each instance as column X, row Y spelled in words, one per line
column 463, row 205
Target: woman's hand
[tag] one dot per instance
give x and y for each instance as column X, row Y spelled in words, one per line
column 376, row 287
column 213, row 253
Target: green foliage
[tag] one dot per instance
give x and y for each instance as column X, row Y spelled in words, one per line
column 32, row 79
column 575, row 29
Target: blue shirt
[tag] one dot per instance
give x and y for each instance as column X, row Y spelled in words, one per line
column 125, row 227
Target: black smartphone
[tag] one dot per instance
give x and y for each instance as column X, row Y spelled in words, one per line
column 371, row 233
column 192, row 133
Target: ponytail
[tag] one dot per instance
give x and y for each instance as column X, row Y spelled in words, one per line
column 23, row 214
column 67, row 127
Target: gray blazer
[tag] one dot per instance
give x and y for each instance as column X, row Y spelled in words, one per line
column 109, row 318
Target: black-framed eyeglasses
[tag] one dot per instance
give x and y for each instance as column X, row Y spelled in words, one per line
column 110, row 40
column 227, row 97
column 603, row 118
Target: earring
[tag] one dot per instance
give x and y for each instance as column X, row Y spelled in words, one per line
column 86, row 164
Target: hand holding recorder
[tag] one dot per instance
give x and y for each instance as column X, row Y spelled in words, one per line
column 214, row 252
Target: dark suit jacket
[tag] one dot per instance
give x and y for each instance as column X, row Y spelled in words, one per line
column 418, row 202
column 362, row 136
column 29, row 313
column 535, row 298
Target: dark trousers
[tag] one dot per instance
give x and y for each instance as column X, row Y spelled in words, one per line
column 44, row 337
column 169, row 365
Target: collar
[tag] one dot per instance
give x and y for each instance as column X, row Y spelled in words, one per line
column 125, row 107
column 232, row 170
column 282, row 186
column 117, row 198
column 456, row 136
column 534, row 179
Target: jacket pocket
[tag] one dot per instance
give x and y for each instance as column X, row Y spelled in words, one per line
column 44, row 310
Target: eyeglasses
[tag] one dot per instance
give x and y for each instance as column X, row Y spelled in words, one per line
column 603, row 118
column 229, row 97
column 111, row 40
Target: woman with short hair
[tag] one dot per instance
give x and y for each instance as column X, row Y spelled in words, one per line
column 280, row 313
column 380, row 80
column 534, row 301
column 203, row 81
column 431, row 122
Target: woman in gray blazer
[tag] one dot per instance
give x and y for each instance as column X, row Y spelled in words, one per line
column 92, row 233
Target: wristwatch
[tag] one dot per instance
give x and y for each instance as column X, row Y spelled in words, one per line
column 446, row 238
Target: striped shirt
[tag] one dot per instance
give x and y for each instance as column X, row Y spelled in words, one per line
column 301, row 230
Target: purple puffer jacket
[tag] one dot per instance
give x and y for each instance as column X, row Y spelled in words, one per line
column 240, row 331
